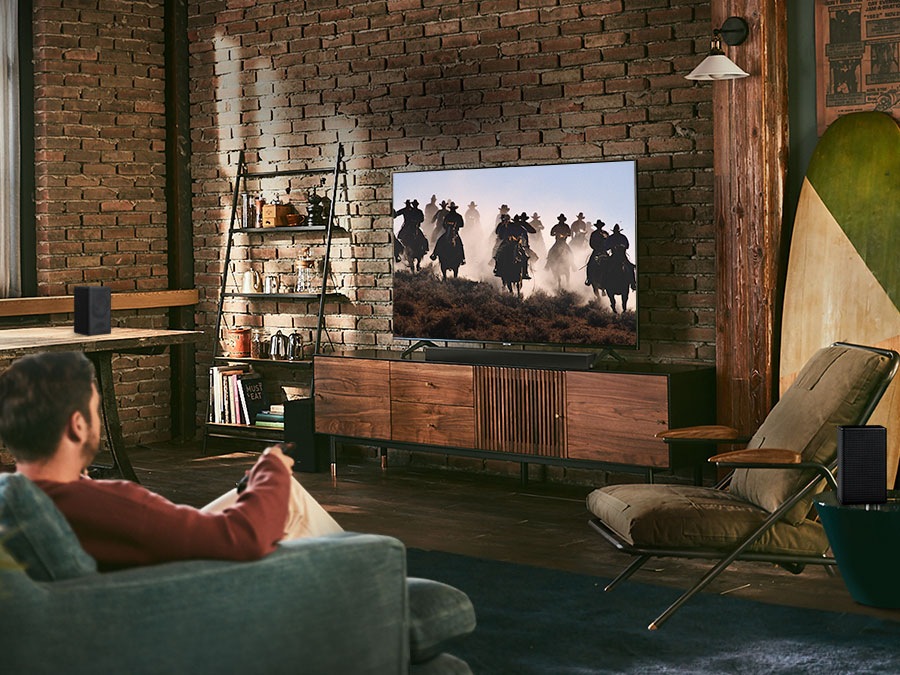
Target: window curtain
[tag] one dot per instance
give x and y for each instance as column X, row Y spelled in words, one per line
column 10, row 258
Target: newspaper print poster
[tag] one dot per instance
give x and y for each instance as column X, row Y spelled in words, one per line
column 857, row 58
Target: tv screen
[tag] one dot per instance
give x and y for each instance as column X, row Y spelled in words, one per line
column 540, row 254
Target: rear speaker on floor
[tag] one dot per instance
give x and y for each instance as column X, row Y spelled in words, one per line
column 862, row 464
column 310, row 448
column 93, row 306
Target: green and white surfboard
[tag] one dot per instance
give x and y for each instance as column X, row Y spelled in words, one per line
column 843, row 276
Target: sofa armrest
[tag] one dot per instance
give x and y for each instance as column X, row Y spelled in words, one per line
column 325, row 605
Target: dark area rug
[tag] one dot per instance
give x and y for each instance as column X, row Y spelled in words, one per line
column 534, row 620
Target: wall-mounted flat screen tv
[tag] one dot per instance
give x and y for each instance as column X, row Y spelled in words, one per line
column 542, row 254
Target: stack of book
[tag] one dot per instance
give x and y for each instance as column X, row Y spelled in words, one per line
column 272, row 418
column 236, row 394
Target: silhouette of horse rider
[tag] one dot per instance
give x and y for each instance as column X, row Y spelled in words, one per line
column 618, row 276
column 415, row 244
column 579, row 231
column 617, row 240
column 438, row 222
column 596, row 267
column 511, row 259
column 514, row 233
column 560, row 260
column 449, row 247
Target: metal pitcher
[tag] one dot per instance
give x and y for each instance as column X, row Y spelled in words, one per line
column 279, row 347
column 270, row 283
column 295, row 347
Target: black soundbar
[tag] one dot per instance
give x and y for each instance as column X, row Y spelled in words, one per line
column 510, row 357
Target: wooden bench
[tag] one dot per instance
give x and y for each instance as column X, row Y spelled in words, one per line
column 62, row 304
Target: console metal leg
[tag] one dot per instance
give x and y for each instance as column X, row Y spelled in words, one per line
column 332, row 447
column 382, row 453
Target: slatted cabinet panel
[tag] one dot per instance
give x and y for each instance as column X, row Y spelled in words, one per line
column 520, row 410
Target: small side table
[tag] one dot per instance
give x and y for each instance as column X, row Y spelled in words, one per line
column 865, row 539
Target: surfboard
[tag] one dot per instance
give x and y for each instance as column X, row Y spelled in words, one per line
column 843, row 274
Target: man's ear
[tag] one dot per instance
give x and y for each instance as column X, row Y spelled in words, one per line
column 77, row 427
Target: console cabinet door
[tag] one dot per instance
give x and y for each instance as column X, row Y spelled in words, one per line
column 352, row 397
column 614, row 417
column 432, row 404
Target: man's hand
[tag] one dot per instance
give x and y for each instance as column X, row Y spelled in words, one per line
column 278, row 451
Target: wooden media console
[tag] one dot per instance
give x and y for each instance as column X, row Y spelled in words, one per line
column 608, row 416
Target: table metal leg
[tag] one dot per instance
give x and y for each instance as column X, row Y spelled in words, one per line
column 103, row 365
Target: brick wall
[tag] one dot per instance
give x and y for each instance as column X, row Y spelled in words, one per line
column 409, row 84
column 100, row 174
column 404, row 85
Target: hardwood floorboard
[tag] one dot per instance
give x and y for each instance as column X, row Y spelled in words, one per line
column 541, row 524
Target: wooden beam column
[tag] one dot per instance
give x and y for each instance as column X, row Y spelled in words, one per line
column 750, row 160
column 182, row 358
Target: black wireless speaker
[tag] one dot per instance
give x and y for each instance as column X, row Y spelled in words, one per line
column 92, row 310
column 862, row 465
column 310, row 448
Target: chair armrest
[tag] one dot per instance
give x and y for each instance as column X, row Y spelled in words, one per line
column 754, row 456
column 711, row 433
column 772, row 458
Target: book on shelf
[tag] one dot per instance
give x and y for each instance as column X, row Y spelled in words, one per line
column 229, row 402
column 220, row 388
column 269, row 425
column 252, row 396
column 266, row 418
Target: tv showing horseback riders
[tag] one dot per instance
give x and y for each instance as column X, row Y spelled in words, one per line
column 478, row 264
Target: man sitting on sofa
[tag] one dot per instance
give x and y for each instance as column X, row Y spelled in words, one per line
column 50, row 421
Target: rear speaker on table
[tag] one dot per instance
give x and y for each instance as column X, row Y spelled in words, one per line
column 93, row 307
column 862, row 465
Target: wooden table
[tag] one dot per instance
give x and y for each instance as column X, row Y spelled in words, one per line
column 16, row 342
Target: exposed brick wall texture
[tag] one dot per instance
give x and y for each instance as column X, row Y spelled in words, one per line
column 99, row 103
column 405, row 84
column 419, row 84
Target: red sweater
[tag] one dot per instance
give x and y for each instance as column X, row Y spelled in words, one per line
column 122, row 524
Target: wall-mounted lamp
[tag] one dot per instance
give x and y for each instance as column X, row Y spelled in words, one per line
column 717, row 66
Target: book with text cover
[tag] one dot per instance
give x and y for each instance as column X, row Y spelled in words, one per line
column 253, row 396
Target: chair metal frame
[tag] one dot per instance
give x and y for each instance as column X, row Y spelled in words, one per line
column 793, row 563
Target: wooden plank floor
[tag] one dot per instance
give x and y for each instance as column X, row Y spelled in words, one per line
column 490, row 517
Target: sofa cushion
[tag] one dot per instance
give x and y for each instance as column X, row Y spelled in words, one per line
column 37, row 535
column 438, row 615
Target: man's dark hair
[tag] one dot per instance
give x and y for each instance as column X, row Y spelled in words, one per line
column 38, row 394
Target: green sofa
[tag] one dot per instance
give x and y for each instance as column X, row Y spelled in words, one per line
column 330, row 605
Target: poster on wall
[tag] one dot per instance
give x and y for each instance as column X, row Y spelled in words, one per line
column 857, row 58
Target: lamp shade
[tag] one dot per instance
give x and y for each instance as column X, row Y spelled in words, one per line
column 716, row 66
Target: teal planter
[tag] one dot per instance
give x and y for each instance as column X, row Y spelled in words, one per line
column 865, row 539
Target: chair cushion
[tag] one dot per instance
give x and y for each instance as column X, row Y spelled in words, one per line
column 691, row 517
column 438, row 615
column 37, row 535
column 833, row 388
